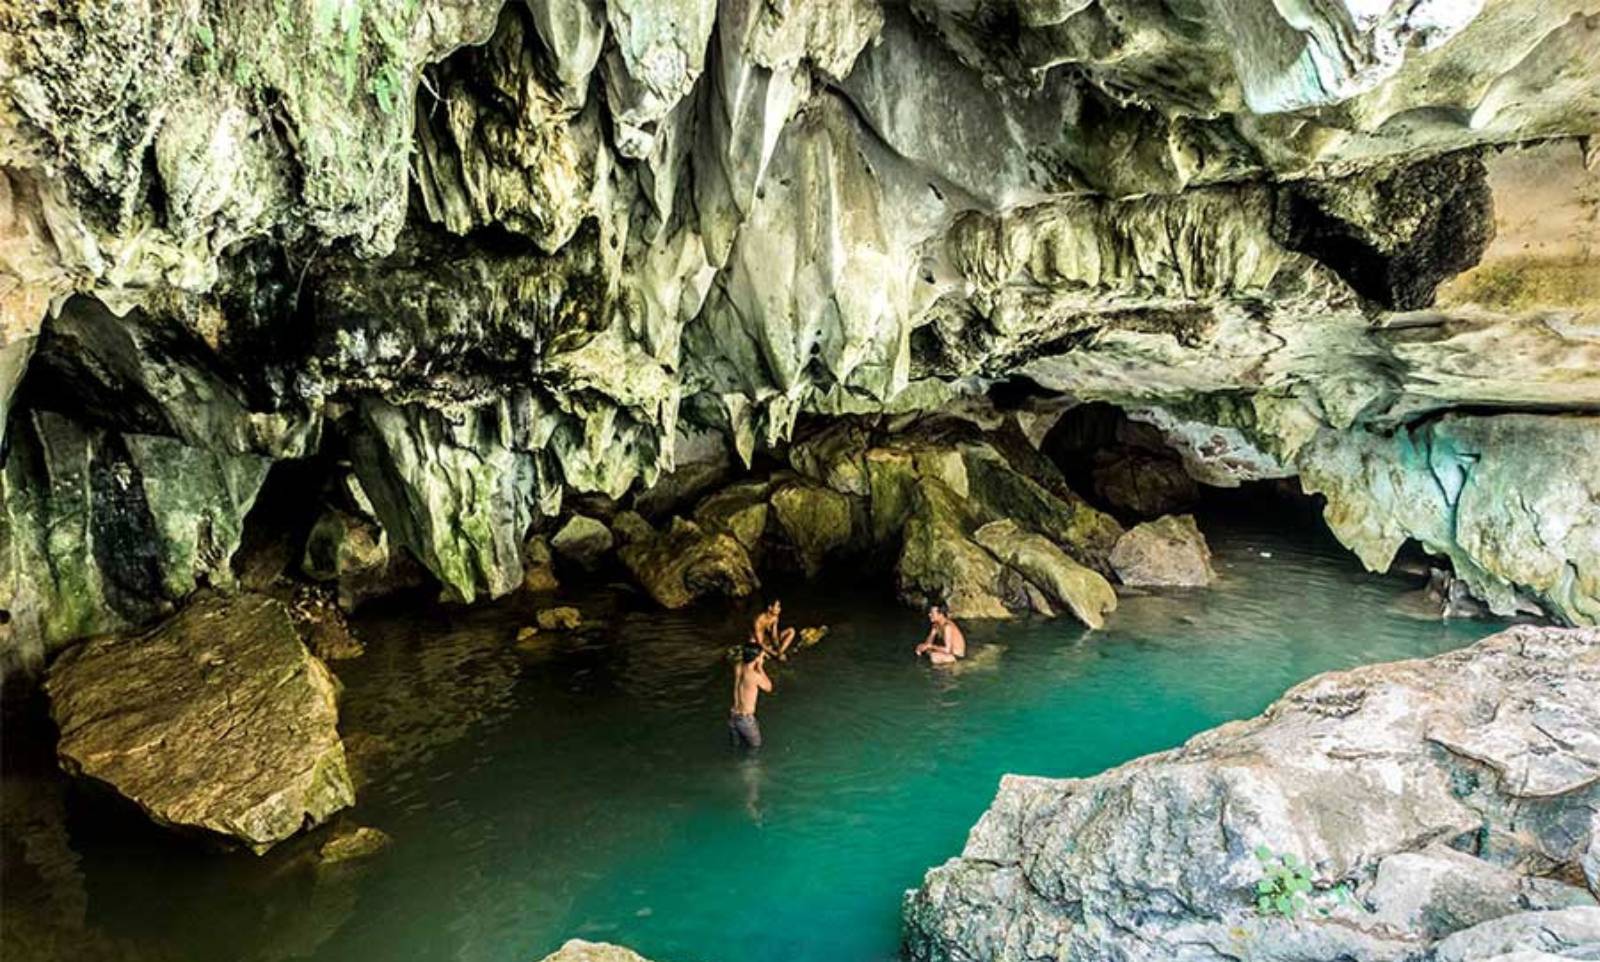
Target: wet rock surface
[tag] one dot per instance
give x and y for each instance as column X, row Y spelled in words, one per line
column 1449, row 799
column 217, row 721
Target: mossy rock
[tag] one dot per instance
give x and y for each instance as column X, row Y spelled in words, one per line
column 815, row 519
column 740, row 509
column 939, row 564
column 1084, row 592
column 687, row 562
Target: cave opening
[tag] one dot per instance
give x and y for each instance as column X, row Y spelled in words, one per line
column 278, row 524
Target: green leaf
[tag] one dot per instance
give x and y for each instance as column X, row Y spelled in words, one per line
column 1283, row 905
column 1264, row 905
column 203, row 31
column 1263, row 853
column 1265, row 886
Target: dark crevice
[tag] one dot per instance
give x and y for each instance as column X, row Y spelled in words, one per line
column 1446, row 201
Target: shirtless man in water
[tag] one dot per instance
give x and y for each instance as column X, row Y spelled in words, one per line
column 749, row 681
column 945, row 644
column 765, row 634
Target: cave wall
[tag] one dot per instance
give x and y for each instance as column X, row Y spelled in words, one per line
column 508, row 252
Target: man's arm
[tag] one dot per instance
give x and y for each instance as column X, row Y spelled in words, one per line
column 928, row 641
column 762, row 681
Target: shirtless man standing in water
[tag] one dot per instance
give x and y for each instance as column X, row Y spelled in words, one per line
column 765, row 633
column 945, row 644
column 749, row 681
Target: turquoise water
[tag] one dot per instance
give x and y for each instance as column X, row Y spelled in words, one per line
column 586, row 789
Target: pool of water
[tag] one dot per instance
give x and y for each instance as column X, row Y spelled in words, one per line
column 585, row 787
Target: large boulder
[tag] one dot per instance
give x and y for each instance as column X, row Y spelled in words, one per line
column 584, row 541
column 740, row 509
column 939, row 564
column 687, row 562
column 1537, row 936
column 1068, row 584
column 815, row 520
column 1042, row 502
column 1169, row 551
column 217, row 720
column 1359, row 777
column 538, row 565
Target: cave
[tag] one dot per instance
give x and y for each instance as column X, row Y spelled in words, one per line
column 478, row 477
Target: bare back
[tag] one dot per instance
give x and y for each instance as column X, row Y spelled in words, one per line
column 749, row 681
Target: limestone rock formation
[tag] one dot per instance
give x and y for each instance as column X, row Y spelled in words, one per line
column 217, row 721
column 349, row 551
column 1144, row 485
column 686, row 562
column 498, row 254
column 1452, row 798
column 583, row 540
column 740, row 509
column 816, row 520
column 538, row 565
column 1066, row 583
column 1169, row 551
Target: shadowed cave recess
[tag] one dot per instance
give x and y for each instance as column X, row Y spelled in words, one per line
column 312, row 311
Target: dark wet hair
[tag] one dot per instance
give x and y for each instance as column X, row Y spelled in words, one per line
column 749, row 653
column 940, row 608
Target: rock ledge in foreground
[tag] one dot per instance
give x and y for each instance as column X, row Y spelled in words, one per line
column 577, row 950
column 218, row 720
column 1457, row 798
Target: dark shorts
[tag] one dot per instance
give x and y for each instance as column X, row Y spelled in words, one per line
column 743, row 731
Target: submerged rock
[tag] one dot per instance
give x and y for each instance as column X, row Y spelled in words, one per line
column 1489, row 751
column 1169, row 551
column 563, row 618
column 351, row 842
column 323, row 625
column 218, row 720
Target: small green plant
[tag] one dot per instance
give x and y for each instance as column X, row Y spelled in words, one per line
column 386, row 87
column 1286, row 889
column 1285, row 883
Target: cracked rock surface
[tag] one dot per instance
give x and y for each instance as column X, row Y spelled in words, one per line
column 219, row 721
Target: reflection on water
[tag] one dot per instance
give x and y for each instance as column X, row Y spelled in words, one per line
column 582, row 786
